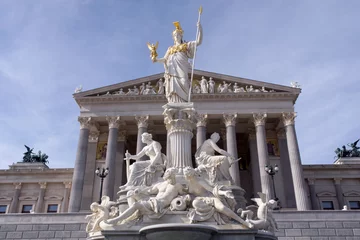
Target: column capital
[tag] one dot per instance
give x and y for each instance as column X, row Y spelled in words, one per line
column 201, row 119
column 229, row 119
column 94, row 136
column 17, row 185
column 259, row 119
column 311, row 181
column 337, row 181
column 85, row 122
column 252, row 133
column 142, row 121
column 288, row 118
column 122, row 135
column 42, row 185
column 114, row 122
column 281, row 133
column 67, row 184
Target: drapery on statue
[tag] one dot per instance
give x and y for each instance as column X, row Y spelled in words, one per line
column 176, row 64
column 144, row 173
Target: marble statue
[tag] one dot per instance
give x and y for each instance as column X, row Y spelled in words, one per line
column 210, row 201
column 295, row 85
column 134, row 91
column 217, row 167
column 238, row 89
column 211, row 85
column 78, row 89
column 120, row 92
column 204, row 85
column 149, row 89
column 147, row 172
column 196, row 89
column 160, row 86
column 142, row 88
column 249, row 89
column 177, row 66
column 156, row 206
column 263, row 219
column 263, row 89
column 105, row 210
column 225, row 87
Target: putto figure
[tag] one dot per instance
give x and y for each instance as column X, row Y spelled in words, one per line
column 177, row 66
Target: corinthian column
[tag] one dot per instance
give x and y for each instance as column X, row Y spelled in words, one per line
column 120, row 152
column 114, row 123
column 201, row 121
column 231, row 145
column 40, row 202
column 15, row 200
column 259, row 121
column 142, row 123
column 302, row 200
column 80, row 164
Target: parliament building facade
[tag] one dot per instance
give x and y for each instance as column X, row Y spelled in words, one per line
column 256, row 122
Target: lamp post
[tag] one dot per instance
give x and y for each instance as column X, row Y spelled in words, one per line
column 272, row 170
column 101, row 174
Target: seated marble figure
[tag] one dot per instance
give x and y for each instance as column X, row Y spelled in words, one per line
column 145, row 172
column 217, row 167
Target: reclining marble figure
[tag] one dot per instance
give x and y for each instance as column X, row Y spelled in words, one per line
column 157, row 206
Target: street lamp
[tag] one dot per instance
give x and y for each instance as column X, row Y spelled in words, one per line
column 272, row 171
column 101, row 174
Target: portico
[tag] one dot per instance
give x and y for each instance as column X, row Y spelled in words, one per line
column 252, row 120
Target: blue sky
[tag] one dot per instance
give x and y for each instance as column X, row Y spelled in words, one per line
column 47, row 48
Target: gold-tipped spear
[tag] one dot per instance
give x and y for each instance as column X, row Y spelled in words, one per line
column 193, row 62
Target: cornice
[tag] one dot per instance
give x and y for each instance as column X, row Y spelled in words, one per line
column 243, row 96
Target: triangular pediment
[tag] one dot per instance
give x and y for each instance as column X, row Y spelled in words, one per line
column 214, row 85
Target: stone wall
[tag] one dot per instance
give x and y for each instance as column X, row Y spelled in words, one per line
column 293, row 225
column 318, row 225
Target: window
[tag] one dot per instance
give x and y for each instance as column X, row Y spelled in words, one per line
column 52, row 208
column 26, row 208
column 327, row 205
column 354, row 204
column 3, row 209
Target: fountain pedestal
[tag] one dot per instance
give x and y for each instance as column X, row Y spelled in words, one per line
column 179, row 122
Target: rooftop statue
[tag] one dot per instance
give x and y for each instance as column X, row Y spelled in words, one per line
column 176, row 64
column 353, row 152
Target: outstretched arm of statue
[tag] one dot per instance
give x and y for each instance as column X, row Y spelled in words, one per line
column 200, row 35
column 219, row 150
column 162, row 60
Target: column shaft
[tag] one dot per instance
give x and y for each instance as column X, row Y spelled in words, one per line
column 109, row 181
column 339, row 193
column 40, row 202
column 65, row 201
column 200, row 136
column 89, row 172
column 313, row 198
column 79, row 171
column 14, row 203
column 120, row 152
column 256, row 182
column 302, row 200
column 288, row 184
column 232, row 149
column 266, row 185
